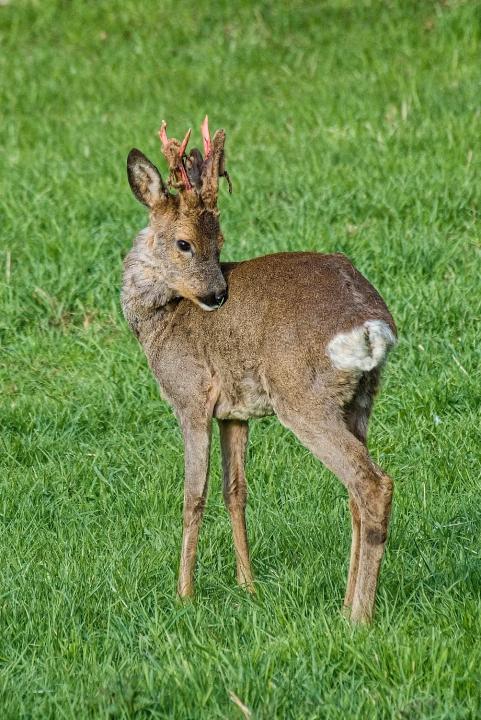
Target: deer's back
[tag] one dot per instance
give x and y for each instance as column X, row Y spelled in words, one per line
column 306, row 296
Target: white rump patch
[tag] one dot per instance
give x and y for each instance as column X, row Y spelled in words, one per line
column 362, row 348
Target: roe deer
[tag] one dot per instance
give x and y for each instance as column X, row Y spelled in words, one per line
column 300, row 335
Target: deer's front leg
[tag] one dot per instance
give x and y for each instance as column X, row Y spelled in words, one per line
column 197, row 447
column 233, row 439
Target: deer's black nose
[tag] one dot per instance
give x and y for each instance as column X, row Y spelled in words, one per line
column 221, row 296
column 214, row 300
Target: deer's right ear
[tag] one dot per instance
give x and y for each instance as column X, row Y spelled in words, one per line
column 145, row 180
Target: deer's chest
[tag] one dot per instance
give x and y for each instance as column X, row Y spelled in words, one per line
column 190, row 374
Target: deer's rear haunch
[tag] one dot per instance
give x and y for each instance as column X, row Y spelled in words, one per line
column 300, row 335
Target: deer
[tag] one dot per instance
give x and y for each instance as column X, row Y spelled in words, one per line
column 299, row 335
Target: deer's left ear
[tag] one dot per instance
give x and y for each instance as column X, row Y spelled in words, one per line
column 145, row 180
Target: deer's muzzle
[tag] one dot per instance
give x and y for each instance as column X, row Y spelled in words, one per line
column 214, row 300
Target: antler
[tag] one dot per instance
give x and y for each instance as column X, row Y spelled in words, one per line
column 213, row 167
column 174, row 154
column 193, row 172
column 204, row 128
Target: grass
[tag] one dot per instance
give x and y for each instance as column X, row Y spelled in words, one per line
column 352, row 126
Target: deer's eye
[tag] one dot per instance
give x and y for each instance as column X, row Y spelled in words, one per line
column 184, row 246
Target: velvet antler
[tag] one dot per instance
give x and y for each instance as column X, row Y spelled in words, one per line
column 194, row 172
column 214, row 166
column 174, row 154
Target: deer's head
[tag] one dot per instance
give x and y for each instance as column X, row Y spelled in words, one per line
column 185, row 235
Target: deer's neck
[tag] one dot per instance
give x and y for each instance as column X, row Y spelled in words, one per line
column 145, row 294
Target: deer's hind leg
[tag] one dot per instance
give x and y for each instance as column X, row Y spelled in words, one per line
column 325, row 432
column 233, row 439
column 354, row 558
column 356, row 416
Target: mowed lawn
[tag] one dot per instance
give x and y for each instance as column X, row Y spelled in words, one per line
column 352, row 127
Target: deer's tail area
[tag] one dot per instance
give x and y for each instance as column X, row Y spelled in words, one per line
column 363, row 348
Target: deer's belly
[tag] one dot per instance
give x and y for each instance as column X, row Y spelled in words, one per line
column 246, row 399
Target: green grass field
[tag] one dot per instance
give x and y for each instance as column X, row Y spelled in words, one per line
column 353, row 127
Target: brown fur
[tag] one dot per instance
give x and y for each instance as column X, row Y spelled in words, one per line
column 264, row 351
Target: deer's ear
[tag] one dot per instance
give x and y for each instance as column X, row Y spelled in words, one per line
column 145, row 180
